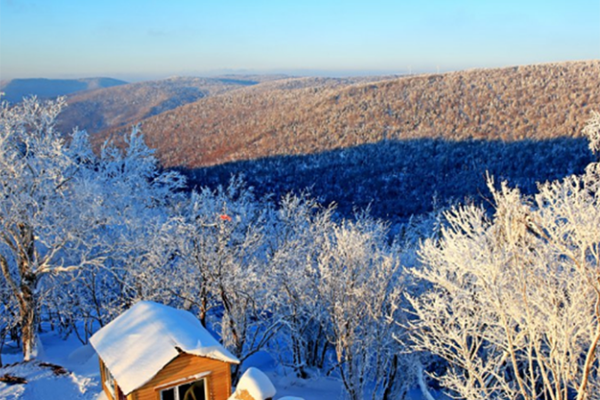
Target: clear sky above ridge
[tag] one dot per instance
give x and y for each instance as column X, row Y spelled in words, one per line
column 139, row 39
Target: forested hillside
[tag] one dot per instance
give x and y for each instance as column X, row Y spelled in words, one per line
column 396, row 179
column 122, row 106
column 400, row 146
column 306, row 116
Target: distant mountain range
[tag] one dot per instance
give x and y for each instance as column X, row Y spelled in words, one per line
column 122, row 106
column 14, row 90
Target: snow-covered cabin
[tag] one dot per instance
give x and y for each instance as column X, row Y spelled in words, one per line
column 155, row 352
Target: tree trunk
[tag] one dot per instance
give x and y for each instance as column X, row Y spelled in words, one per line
column 235, row 373
column 25, row 293
column 3, row 332
column 298, row 362
column 582, row 392
column 387, row 390
column 28, row 314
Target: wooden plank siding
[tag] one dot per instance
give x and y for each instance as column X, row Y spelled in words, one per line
column 185, row 366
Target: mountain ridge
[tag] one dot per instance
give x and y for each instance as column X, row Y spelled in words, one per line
column 125, row 105
column 305, row 116
column 44, row 88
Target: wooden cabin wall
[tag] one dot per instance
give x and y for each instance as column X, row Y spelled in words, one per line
column 184, row 366
column 117, row 390
column 103, row 378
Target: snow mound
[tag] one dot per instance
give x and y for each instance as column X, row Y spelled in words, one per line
column 81, row 355
column 136, row 345
column 256, row 384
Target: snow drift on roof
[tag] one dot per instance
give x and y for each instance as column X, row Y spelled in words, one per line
column 136, row 345
column 256, row 383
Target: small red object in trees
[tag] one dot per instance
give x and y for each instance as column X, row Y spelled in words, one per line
column 225, row 217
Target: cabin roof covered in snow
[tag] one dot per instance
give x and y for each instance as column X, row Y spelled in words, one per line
column 136, row 345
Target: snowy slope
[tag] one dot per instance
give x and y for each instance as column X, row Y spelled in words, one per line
column 82, row 382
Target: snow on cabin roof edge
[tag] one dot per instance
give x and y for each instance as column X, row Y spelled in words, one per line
column 137, row 344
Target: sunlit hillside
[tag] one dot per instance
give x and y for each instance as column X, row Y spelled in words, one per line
column 125, row 105
column 308, row 115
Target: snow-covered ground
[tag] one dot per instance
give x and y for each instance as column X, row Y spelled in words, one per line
column 82, row 380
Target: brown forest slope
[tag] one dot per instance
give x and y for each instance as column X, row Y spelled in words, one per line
column 119, row 106
column 303, row 116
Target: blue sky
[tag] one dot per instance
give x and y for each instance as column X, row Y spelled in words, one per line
column 135, row 39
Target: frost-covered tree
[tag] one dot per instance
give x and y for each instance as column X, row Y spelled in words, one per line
column 357, row 274
column 137, row 200
column 298, row 234
column 39, row 229
column 592, row 131
column 217, row 266
column 63, row 210
column 513, row 300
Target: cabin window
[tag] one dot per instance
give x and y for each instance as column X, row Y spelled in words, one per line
column 188, row 391
column 109, row 381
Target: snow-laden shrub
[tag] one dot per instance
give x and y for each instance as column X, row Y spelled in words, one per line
column 513, row 298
